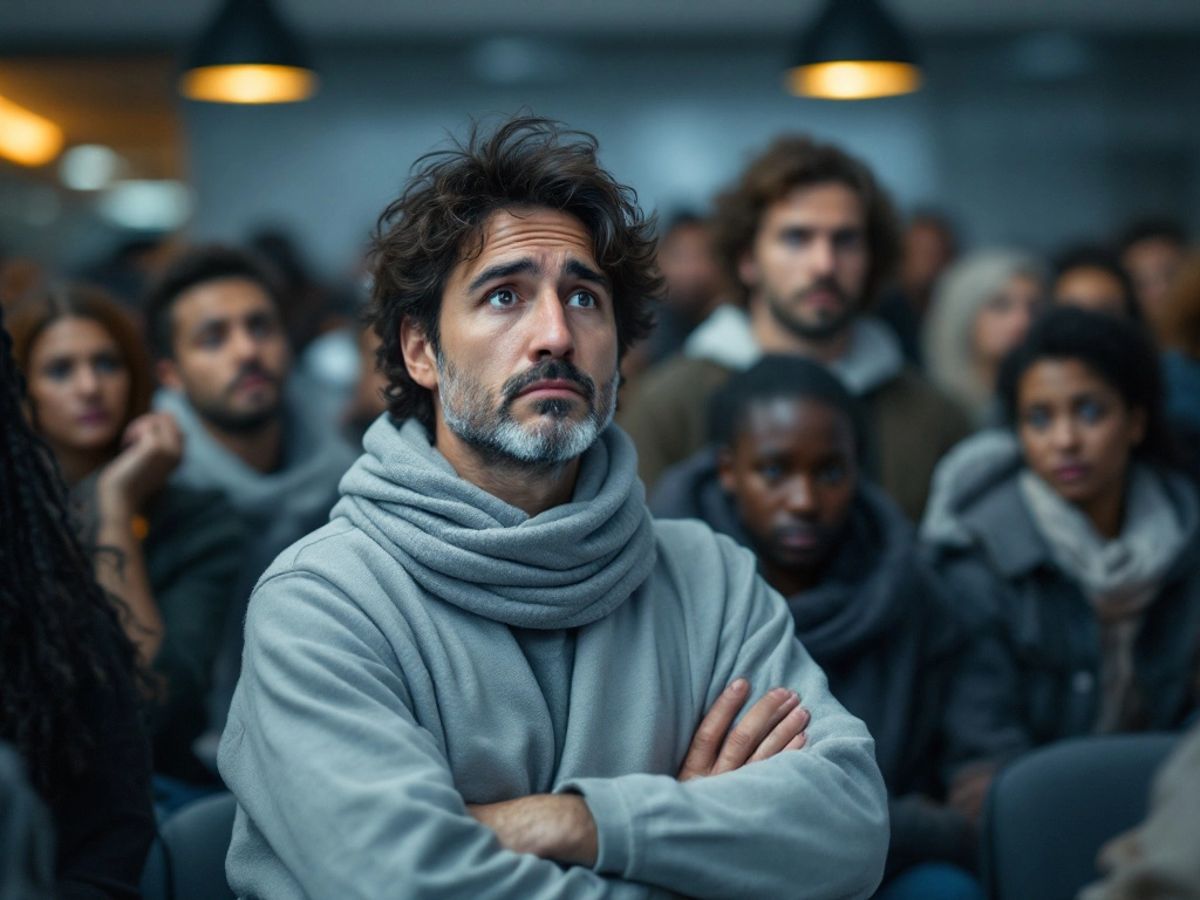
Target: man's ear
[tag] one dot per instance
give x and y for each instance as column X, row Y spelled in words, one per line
column 725, row 470
column 419, row 356
column 167, row 373
column 748, row 270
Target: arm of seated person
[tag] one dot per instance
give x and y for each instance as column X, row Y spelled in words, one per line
column 811, row 823
column 561, row 827
column 341, row 792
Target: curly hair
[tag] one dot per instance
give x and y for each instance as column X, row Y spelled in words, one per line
column 796, row 161
column 1119, row 352
column 440, row 218
column 58, row 629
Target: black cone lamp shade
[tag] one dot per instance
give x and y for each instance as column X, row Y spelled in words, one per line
column 247, row 55
column 854, row 51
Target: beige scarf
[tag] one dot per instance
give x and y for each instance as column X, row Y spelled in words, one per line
column 1120, row 577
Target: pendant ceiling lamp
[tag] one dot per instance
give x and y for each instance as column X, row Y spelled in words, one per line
column 247, row 55
column 854, row 51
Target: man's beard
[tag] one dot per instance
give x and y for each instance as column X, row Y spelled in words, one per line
column 470, row 412
column 218, row 413
column 826, row 327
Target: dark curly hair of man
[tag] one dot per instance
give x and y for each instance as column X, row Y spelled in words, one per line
column 439, row 221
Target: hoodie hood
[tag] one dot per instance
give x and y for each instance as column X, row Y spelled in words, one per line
column 873, row 358
column 865, row 591
column 972, row 468
column 566, row 567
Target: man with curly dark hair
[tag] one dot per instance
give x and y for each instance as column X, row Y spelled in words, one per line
column 493, row 674
column 810, row 237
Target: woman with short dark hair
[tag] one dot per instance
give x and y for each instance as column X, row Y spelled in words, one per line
column 1078, row 545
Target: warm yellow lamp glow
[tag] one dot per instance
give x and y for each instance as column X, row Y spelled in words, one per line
column 854, row 80
column 249, row 84
column 27, row 138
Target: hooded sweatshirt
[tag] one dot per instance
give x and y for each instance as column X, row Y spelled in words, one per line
column 881, row 627
column 433, row 646
column 276, row 508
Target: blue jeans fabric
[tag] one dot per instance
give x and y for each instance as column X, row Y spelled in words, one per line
column 932, row 881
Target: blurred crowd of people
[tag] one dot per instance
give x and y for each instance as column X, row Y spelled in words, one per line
column 971, row 472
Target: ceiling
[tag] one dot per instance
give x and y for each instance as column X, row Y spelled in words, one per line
column 40, row 25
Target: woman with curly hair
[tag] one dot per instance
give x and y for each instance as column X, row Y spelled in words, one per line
column 170, row 553
column 67, row 697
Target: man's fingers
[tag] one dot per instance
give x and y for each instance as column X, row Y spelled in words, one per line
column 759, row 722
column 790, row 728
column 713, row 728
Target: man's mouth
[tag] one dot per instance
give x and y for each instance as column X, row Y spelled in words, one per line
column 798, row 537
column 550, row 388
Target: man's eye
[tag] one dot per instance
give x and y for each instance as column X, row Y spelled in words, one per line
column 210, row 339
column 583, row 299
column 770, row 471
column 834, row 473
column 502, row 298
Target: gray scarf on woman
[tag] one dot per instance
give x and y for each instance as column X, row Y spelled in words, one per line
column 1120, row 577
column 568, row 566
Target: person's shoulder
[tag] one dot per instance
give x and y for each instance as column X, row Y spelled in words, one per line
column 679, row 374
column 704, row 565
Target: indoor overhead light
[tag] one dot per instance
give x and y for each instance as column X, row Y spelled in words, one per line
column 27, row 138
column 247, row 55
column 854, row 51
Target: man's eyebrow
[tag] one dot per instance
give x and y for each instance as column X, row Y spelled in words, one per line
column 503, row 270
column 587, row 273
column 209, row 323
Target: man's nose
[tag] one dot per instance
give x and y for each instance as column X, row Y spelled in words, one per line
column 552, row 336
column 1063, row 432
column 801, row 498
column 822, row 256
column 244, row 344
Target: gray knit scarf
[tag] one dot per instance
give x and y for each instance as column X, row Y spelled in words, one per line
column 563, row 568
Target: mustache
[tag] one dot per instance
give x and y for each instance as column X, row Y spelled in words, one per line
column 246, row 371
column 827, row 285
column 550, row 370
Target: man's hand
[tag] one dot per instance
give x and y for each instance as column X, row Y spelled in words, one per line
column 552, row 826
column 968, row 793
column 775, row 723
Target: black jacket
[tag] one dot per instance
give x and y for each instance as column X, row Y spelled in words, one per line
column 1034, row 674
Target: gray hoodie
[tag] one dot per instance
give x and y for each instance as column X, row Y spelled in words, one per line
column 433, row 646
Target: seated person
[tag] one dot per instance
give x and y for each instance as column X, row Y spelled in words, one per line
column 783, row 477
column 67, row 676
column 492, row 673
column 1076, row 542
column 169, row 553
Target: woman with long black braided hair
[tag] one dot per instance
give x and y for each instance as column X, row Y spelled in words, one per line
column 67, row 671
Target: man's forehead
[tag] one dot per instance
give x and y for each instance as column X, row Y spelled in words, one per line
column 220, row 299
column 544, row 234
column 825, row 200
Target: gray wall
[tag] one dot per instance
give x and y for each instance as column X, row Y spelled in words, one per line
column 1036, row 141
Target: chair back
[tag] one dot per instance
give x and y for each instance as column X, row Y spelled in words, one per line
column 1049, row 812
column 187, row 861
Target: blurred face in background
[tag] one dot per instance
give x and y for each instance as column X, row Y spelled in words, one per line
column 1003, row 320
column 1091, row 288
column 810, row 259
column 1076, row 431
column 79, row 386
column 231, row 356
column 792, row 473
column 693, row 279
column 1152, row 264
column 928, row 248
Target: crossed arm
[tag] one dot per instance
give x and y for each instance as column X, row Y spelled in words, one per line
column 560, row 826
